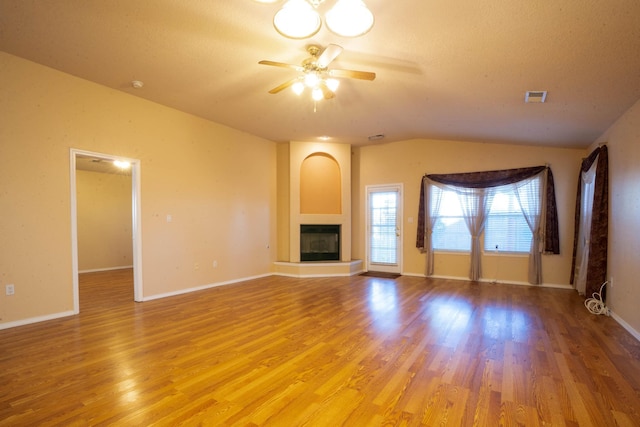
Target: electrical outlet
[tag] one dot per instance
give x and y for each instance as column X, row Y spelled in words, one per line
column 215, row 264
column 610, row 282
column 10, row 289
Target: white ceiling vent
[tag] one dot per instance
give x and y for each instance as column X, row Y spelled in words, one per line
column 535, row 96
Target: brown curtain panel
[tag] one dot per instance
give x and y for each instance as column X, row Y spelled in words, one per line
column 494, row 179
column 597, row 264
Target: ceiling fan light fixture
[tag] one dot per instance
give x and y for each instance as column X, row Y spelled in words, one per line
column 332, row 84
column 315, row 74
column 298, row 87
column 311, row 79
column 349, row 18
column 317, row 94
column 297, row 20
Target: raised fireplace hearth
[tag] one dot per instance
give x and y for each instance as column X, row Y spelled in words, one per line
column 319, row 242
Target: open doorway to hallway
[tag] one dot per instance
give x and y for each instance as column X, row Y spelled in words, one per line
column 105, row 219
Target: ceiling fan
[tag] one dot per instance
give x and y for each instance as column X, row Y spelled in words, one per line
column 314, row 73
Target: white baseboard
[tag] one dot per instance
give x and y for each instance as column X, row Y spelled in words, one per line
column 412, row 274
column 625, row 325
column 37, row 319
column 203, row 287
column 502, row 282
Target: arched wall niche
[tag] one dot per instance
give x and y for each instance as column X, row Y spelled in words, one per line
column 320, row 185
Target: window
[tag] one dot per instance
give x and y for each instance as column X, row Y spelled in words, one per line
column 506, row 226
column 532, row 188
column 383, row 240
column 450, row 232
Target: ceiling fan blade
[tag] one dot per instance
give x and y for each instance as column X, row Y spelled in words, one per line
column 283, row 86
column 353, row 74
column 282, row 64
column 330, row 53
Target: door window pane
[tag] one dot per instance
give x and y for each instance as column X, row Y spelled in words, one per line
column 383, row 238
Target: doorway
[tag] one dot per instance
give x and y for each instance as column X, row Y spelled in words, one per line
column 384, row 232
column 76, row 157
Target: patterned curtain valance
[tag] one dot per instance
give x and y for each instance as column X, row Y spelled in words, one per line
column 486, row 179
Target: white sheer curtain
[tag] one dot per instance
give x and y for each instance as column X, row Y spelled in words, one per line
column 475, row 203
column 433, row 195
column 584, row 231
column 529, row 195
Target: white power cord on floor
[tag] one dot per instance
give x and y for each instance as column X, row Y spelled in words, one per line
column 596, row 305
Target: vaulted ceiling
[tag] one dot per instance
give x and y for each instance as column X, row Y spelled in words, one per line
column 445, row 69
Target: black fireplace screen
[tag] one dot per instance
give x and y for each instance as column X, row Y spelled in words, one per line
column 319, row 242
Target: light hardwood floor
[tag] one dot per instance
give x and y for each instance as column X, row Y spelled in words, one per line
column 357, row 351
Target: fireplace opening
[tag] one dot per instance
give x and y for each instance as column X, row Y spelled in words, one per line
column 319, row 242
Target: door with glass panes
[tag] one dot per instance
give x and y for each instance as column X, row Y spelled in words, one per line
column 384, row 233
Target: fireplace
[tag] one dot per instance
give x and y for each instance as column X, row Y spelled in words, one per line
column 319, row 242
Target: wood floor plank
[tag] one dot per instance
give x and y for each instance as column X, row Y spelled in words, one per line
column 352, row 351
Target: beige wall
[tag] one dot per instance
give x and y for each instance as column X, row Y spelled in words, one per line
column 405, row 162
column 104, row 220
column 623, row 144
column 218, row 184
column 284, row 203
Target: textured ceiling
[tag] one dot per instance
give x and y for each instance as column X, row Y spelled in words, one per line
column 445, row 69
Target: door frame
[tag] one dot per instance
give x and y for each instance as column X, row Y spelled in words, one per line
column 136, row 231
column 396, row 268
